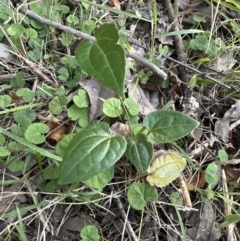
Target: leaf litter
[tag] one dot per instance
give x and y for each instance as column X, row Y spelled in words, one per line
column 217, row 114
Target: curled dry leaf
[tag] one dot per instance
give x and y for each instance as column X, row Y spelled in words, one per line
column 222, row 126
column 185, row 193
column 120, row 129
column 15, row 98
column 48, row 119
column 57, row 133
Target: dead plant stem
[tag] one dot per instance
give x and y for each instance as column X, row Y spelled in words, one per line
column 23, row 9
column 182, row 56
column 200, row 73
column 125, row 218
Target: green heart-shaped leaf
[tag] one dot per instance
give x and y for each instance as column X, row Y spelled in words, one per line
column 5, row 100
column 166, row 126
column 90, row 233
column 112, row 107
column 35, row 133
column 139, row 194
column 81, row 99
column 4, row 152
column 15, row 29
column 104, row 60
column 132, row 106
column 139, row 154
column 90, row 152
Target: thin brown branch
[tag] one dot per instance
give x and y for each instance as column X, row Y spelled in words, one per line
column 185, row 193
column 6, row 77
column 36, row 70
column 182, row 57
column 200, row 73
column 23, row 8
column 125, row 218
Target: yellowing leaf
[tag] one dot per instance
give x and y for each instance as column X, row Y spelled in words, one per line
column 165, row 168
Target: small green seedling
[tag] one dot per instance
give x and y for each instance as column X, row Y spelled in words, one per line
column 89, row 233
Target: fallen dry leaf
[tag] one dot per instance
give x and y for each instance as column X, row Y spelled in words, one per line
column 15, row 98
column 183, row 4
column 185, row 194
column 138, row 95
column 5, row 52
column 223, row 63
column 96, row 91
column 222, row 127
column 197, row 181
column 231, row 175
column 115, row 3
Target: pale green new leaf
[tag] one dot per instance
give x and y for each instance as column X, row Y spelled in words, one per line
column 31, row 33
column 211, row 176
column 112, row 107
column 132, row 107
column 5, row 100
column 35, row 133
column 81, row 99
column 15, row 29
column 4, row 152
column 90, row 233
column 14, row 164
column 165, row 168
column 90, row 152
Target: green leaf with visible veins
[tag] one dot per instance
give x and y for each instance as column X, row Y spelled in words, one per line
column 166, row 126
column 138, row 194
column 101, row 180
column 139, row 154
column 90, row 152
column 105, row 59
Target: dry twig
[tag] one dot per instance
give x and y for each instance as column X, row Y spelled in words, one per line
column 6, row 77
column 182, row 57
column 227, row 208
column 125, row 218
column 200, row 73
column 23, row 8
column 36, row 70
column 185, row 193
